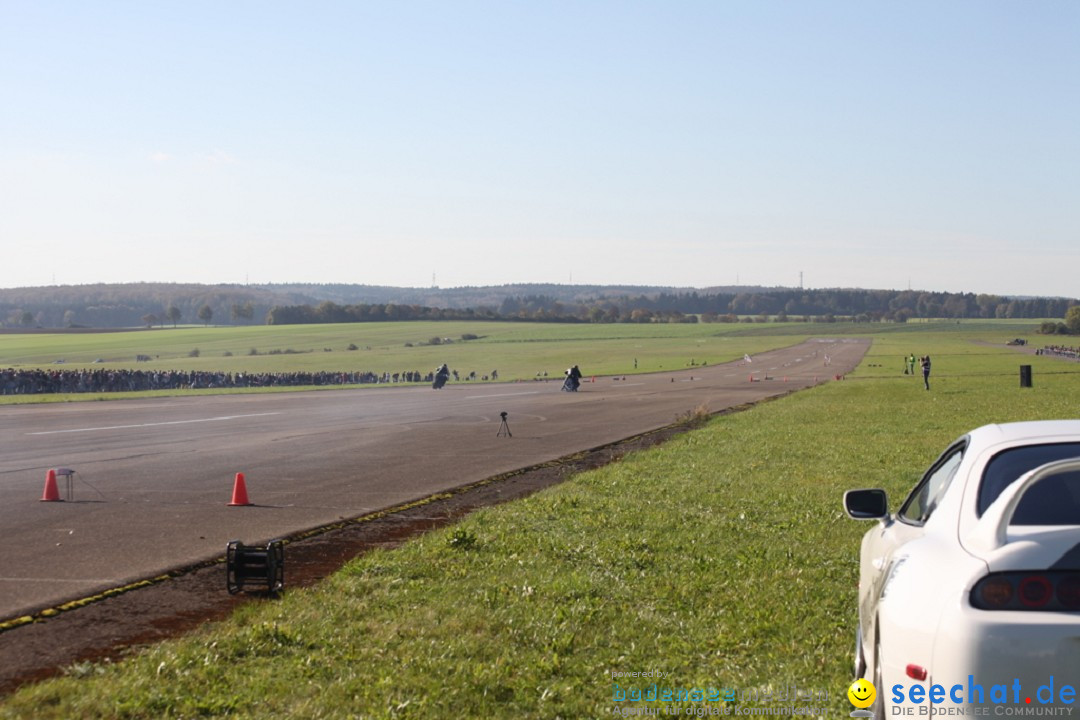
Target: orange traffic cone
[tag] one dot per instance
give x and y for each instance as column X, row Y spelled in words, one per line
column 239, row 491
column 52, row 493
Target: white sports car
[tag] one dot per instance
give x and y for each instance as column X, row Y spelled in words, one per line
column 969, row 596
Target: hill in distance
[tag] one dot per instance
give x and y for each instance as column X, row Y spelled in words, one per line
column 142, row 304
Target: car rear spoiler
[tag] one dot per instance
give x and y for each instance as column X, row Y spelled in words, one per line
column 990, row 532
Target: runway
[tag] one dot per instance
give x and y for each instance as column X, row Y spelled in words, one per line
column 154, row 477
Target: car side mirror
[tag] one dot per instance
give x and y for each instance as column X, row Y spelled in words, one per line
column 869, row 504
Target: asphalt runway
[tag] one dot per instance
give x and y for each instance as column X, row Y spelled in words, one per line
column 154, row 477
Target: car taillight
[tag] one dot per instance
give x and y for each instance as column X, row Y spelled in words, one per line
column 1047, row 591
column 1035, row 591
column 995, row 592
column 1068, row 592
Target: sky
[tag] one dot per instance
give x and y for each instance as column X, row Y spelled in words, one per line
column 889, row 145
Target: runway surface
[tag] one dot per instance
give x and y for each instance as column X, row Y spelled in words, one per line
column 154, row 477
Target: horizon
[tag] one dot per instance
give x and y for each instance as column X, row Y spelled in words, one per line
column 690, row 145
column 716, row 289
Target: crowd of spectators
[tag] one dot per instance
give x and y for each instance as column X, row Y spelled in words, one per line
column 1060, row 351
column 36, row 381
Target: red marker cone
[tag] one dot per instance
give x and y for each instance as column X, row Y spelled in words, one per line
column 52, row 493
column 239, row 491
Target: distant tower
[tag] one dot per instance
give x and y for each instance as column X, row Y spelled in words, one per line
column 433, row 283
column 800, row 280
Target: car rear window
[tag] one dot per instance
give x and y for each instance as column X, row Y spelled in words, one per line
column 1055, row 501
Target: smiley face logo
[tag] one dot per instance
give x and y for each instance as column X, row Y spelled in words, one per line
column 862, row 693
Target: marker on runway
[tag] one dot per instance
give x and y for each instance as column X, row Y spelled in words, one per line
column 239, row 492
column 154, row 424
column 52, row 493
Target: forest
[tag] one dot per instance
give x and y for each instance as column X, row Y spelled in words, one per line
column 160, row 304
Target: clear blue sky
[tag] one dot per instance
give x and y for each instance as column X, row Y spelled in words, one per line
column 865, row 144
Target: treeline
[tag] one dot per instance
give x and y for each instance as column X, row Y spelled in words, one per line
column 859, row 305
column 462, row 298
column 329, row 312
column 143, row 304
column 157, row 304
column 137, row 304
column 778, row 304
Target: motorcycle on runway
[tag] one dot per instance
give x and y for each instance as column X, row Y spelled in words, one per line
column 573, row 379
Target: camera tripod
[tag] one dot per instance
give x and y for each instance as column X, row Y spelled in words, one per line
column 504, row 429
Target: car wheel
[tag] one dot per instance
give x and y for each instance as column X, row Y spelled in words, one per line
column 860, row 657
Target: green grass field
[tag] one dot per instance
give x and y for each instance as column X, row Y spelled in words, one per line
column 517, row 350
column 722, row 559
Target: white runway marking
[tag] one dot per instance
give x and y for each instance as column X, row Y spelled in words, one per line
column 482, row 397
column 156, row 424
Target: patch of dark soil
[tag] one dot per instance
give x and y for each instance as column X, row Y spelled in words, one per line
column 111, row 628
